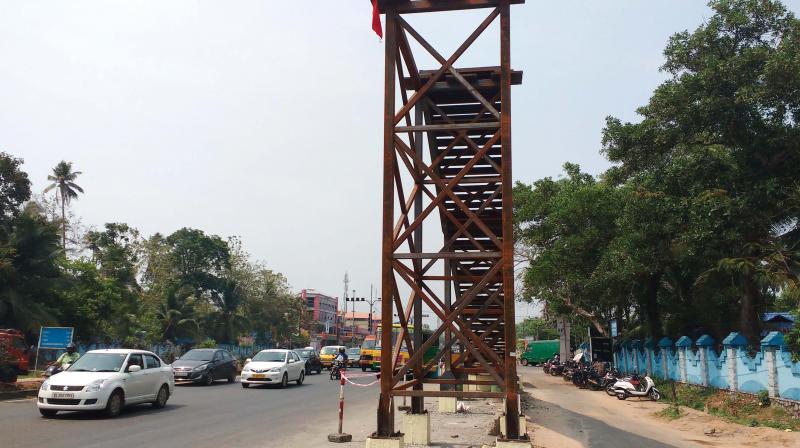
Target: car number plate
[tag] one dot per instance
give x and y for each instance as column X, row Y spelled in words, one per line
column 258, row 375
column 62, row 395
column 181, row 373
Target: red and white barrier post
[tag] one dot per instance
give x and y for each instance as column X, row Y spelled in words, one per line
column 340, row 437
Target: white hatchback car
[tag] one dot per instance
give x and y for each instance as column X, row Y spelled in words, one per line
column 274, row 367
column 108, row 380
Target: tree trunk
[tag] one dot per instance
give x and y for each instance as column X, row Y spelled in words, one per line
column 749, row 322
column 63, row 224
column 589, row 316
column 652, row 311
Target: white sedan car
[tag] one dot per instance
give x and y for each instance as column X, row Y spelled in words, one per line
column 274, row 367
column 108, row 380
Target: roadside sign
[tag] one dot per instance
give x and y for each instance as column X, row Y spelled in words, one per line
column 613, row 328
column 55, row 337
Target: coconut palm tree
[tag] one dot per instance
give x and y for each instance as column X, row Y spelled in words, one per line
column 63, row 178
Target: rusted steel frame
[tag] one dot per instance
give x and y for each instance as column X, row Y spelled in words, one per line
column 402, row 317
column 445, row 393
column 495, row 324
column 511, row 395
column 435, row 77
column 448, row 345
column 408, row 57
column 445, row 213
column 421, row 6
column 467, row 278
column 418, row 403
column 468, row 140
column 447, row 320
column 385, row 416
column 454, row 381
column 451, row 255
column 404, row 99
column 403, row 269
column 449, row 127
column 439, row 58
column 404, row 208
column 473, row 180
column 457, row 233
column 446, row 189
column 466, row 223
column 406, row 384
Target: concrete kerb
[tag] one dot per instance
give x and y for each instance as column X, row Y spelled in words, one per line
column 18, row 394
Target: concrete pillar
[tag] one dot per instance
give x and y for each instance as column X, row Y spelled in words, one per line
column 733, row 343
column 447, row 404
column 704, row 344
column 665, row 344
column 648, row 353
column 417, row 428
column 683, row 344
column 770, row 345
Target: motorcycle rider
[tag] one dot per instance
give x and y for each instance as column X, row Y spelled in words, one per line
column 342, row 357
column 68, row 357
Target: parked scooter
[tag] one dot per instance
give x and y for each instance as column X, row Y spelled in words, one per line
column 634, row 387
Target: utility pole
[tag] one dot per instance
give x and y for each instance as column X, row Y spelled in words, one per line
column 372, row 301
column 336, row 317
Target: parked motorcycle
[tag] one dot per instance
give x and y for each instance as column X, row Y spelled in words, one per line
column 336, row 370
column 634, row 387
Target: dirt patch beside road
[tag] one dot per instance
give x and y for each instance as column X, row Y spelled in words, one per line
column 563, row 416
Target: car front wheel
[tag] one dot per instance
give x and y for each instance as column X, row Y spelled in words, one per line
column 114, row 405
column 285, row 380
column 208, row 379
column 162, row 397
column 245, row 385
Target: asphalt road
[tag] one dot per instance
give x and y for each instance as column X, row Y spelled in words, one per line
column 222, row 415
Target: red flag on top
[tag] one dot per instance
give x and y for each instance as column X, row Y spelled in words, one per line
column 376, row 19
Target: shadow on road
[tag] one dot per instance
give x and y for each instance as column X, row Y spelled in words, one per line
column 589, row 431
column 129, row 412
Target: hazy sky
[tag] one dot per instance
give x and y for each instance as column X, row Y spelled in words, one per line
column 263, row 118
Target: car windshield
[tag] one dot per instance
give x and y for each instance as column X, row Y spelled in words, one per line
column 370, row 343
column 304, row 353
column 354, row 351
column 270, row 357
column 329, row 350
column 198, row 355
column 99, row 362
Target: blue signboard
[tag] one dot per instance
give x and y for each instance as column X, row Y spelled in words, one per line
column 613, row 328
column 55, row 337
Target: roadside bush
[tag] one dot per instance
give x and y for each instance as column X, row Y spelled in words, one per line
column 208, row 343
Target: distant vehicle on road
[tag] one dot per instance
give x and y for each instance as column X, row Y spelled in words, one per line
column 310, row 356
column 204, row 366
column 328, row 353
column 13, row 343
column 368, row 353
column 353, row 356
column 274, row 367
column 539, row 351
column 108, row 380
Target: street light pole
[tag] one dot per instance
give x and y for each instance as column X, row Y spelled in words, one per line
column 372, row 301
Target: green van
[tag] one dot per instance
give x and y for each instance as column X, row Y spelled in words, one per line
column 539, row 352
